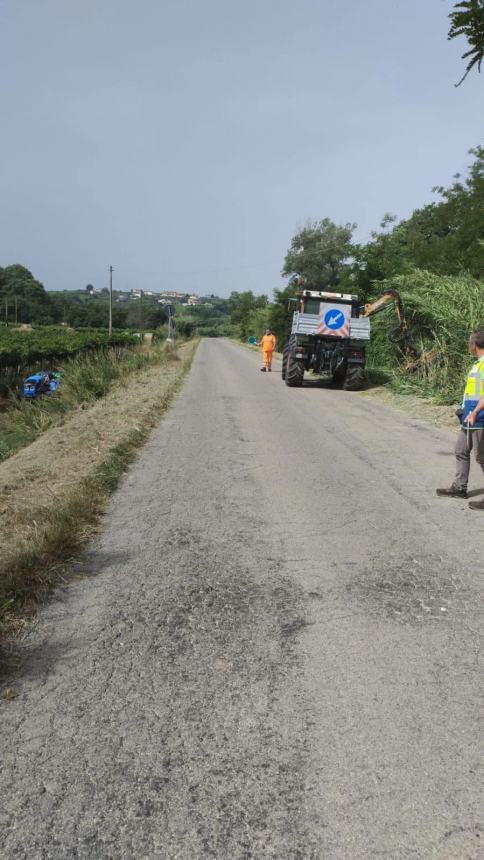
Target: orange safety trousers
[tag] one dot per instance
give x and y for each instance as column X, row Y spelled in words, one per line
column 267, row 343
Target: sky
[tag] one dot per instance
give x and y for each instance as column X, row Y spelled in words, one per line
column 184, row 142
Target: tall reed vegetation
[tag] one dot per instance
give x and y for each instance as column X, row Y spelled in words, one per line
column 441, row 312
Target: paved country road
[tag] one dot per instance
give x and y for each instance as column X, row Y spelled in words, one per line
column 271, row 650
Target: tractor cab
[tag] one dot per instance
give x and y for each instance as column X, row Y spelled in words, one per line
column 311, row 301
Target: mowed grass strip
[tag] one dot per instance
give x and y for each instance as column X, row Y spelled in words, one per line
column 53, row 492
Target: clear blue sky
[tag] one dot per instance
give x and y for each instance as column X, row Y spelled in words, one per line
column 184, row 141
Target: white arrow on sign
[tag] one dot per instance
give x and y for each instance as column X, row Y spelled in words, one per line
column 335, row 319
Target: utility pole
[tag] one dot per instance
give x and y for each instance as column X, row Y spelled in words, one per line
column 16, row 311
column 111, row 300
column 171, row 327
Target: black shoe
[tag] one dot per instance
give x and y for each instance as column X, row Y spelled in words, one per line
column 477, row 506
column 269, row 369
column 452, row 491
column 263, row 369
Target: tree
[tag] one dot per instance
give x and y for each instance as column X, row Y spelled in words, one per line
column 445, row 237
column 242, row 306
column 319, row 252
column 258, row 321
column 184, row 328
column 467, row 20
column 280, row 314
column 81, row 314
column 18, row 288
column 384, row 256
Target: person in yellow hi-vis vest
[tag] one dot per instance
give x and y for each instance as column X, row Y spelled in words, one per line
column 268, row 344
column 471, row 414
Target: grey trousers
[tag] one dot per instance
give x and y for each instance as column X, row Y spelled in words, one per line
column 467, row 442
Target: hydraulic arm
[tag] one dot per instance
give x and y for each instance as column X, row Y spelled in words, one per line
column 416, row 356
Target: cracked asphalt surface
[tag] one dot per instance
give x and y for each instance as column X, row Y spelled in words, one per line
column 271, row 651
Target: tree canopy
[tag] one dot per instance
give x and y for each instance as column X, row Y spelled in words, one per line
column 22, row 297
column 318, row 253
column 243, row 311
column 445, row 237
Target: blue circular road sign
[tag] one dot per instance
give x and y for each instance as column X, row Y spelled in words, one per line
column 334, row 319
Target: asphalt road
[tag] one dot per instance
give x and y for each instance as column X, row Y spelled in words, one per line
column 271, row 651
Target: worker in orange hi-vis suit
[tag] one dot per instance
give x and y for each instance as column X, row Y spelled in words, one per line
column 268, row 344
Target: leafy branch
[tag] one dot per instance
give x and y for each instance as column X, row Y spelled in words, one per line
column 467, row 20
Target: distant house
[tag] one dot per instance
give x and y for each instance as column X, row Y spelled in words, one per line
column 137, row 293
column 172, row 294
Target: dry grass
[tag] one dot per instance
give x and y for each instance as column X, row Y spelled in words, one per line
column 52, row 493
column 414, row 406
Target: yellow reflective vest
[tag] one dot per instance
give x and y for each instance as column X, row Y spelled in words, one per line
column 474, row 390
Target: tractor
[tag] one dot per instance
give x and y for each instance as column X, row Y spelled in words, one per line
column 43, row 382
column 330, row 332
column 329, row 337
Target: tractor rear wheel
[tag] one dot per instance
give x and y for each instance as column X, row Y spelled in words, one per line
column 285, row 352
column 355, row 379
column 294, row 373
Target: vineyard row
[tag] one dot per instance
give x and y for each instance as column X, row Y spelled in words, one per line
column 25, row 348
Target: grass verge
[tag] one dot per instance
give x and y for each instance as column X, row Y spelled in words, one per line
column 34, row 564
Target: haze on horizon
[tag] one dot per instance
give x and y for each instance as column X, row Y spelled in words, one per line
column 184, row 143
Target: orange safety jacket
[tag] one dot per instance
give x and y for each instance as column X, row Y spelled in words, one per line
column 268, row 343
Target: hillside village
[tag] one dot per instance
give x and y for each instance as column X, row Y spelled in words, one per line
column 164, row 297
